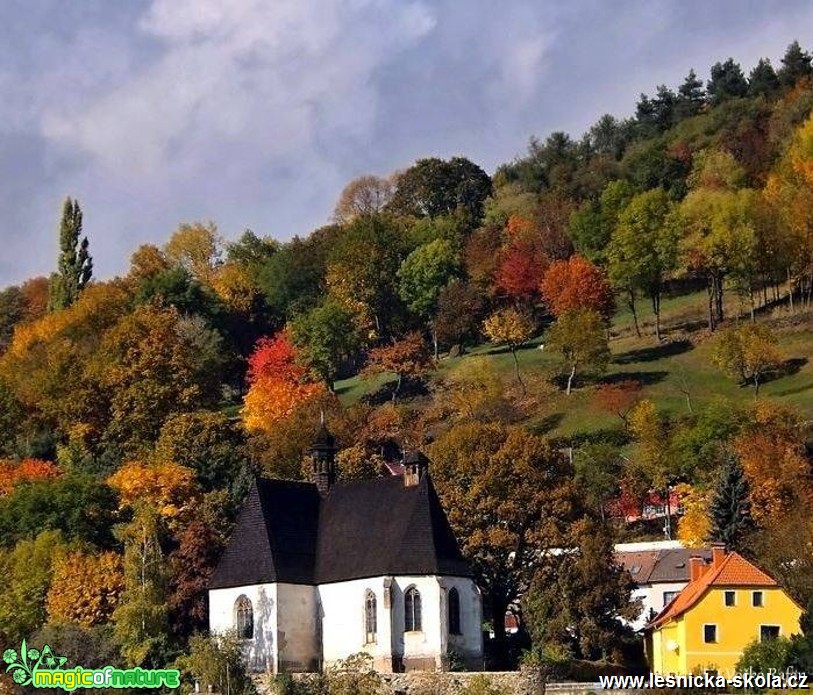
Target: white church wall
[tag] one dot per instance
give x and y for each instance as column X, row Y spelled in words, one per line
column 469, row 643
column 343, row 629
column 261, row 651
column 423, row 650
column 298, row 628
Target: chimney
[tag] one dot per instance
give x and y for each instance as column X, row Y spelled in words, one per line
column 415, row 467
column 717, row 553
column 696, row 568
column 323, row 454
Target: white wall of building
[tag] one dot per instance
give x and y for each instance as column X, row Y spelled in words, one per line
column 651, row 596
column 298, row 628
column 261, row 651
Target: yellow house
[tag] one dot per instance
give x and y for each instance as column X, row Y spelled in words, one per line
column 725, row 606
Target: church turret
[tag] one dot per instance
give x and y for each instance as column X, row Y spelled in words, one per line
column 323, row 454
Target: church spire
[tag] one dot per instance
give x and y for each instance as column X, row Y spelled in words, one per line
column 323, row 454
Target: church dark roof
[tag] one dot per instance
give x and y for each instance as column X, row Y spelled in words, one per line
column 287, row 532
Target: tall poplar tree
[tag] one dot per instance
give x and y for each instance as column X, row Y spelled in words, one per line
column 75, row 264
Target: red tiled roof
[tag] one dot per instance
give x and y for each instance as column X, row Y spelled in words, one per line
column 732, row 570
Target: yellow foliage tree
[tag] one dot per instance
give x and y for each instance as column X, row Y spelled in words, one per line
column 196, row 247
column 85, row 589
column 167, row 487
column 695, row 526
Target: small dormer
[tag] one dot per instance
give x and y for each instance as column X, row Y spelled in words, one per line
column 415, row 467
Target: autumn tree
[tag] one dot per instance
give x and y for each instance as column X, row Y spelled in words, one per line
column 277, row 382
column 510, row 327
column 577, row 284
column 580, row 335
column 364, row 195
column 694, row 528
column 12, row 473
column 146, row 262
column 157, row 363
column 407, row 358
column 772, row 455
column 747, row 352
column 75, row 265
column 85, row 588
column 167, row 488
column 508, row 493
column 459, row 313
column 197, row 248
column 730, row 508
column 644, row 247
column 651, row 462
column 619, row 398
column 522, row 262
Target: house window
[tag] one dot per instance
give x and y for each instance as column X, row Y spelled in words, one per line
column 370, row 617
column 730, row 598
column 244, row 618
column 756, row 599
column 710, row 634
column 454, row 612
column 668, row 597
column 768, row 632
column 412, row 610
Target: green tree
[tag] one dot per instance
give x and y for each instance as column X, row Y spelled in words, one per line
column 644, row 247
column 796, row 64
column 75, row 265
column 578, row 599
column 434, row 187
column 80, row 506
column 598, row 470
column 691, row 96
column 326, row 336
column 141, row 617
column 727, row 82
column 766, row 656
column 581, row 336
column 26, row 571
column 763, row 80
column 217, row 664
column 730, row 508
column 12, row 311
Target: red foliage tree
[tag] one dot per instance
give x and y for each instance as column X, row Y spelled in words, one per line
column 12, row 473
column 522, row 262
column 577, row 284
column 619, row 398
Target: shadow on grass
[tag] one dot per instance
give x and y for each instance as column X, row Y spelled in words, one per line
column 656, row 352
column 547, row 423
column 410, row 388
column 789, row 367
column 615, row 436
column 643, row 378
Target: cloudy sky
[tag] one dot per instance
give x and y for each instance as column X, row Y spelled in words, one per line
column 254, row 113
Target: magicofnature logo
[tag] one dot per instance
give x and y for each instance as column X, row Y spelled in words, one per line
column 42, row 668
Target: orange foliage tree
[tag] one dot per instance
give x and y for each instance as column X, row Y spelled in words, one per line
column 85, row 588
column 167, row 487
column 577, row 284
column 406, row 358
column 277, row 383
column 12, row 473
column 619, row 398
column 772, row 455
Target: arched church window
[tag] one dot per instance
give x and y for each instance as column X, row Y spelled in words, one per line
column 454, row 612
column 244, row 618
column 370, row 617
column 412, row 610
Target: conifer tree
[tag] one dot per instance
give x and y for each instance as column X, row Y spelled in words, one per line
column 763, row 79
column 75, row 265
column 796, row 64
column 730, row 509
column 727, row 82
column 691, row 96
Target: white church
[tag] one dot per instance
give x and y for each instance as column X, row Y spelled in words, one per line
column 316, row 572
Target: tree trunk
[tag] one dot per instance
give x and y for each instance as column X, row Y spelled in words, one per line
column 435, row 343
column 756, row 384
column 570, row 378
column 397, row 388
column 656, row 309
column 790, row 291
column 631, row 304
column 516, row 369
column 499, row 607
column 710, row 291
